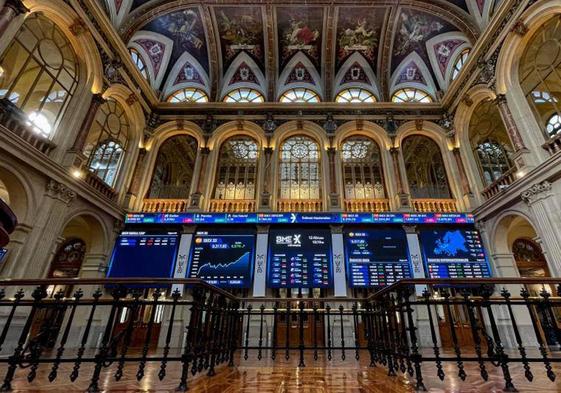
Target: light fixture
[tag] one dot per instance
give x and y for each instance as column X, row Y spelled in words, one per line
column 77, row 173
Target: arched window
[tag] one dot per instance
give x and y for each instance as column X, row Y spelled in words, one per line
column 355, row 95
column 174, row 168
column 299, row 95
column 460, row 61
column 39, row 73
column 411, row 95
column 362, row 169
column 530, row 262
column 540, row 75
column 107, row 141
column 299, row 169
column 244, row 95
column 138, row 62
column 189, row 94
column 490, row 142
column 237, row 169
column 424, row 166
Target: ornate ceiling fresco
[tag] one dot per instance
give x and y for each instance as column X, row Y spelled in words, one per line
column 273, row 46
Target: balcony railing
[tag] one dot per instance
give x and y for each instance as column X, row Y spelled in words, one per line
column 500, row 184
column 299, row 205
column 100, row 186
column 367, row 205
column 553, row 145
column 95, row 331
column 433, row 205
column 165, row 205
column 15, row 120
column 232, row 205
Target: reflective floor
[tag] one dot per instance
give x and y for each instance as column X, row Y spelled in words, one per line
column 283, row 376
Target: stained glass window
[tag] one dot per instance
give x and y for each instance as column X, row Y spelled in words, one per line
column 299, row 169
column 237, row 169
column 362, row 169
column 188, row 95
column 424, row 166
column 490, row 142
column 355, row 95
column 411, row 95
column 138, row 62
column 244, row 95
column 299, row 95
column 460, row 61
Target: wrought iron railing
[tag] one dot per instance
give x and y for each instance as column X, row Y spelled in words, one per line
column 412, row 328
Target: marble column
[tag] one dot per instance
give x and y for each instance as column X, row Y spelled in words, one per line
column 466, row 190
column 403, row 196
column 134, row 188
column 201, row 163
column 8, row 12
column 545, row 211
column 334, row 202
column 80, row 141
column 265, row 197
column 512, row 130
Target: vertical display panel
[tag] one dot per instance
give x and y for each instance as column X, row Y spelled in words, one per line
column 144, row 254
column 299, row 258
column 223, row 258
column 454, row 252
column 376, row 257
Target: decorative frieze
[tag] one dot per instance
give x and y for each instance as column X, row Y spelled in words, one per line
column 536, row 192
column 60, row 191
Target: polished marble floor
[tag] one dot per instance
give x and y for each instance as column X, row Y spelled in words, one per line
column 283, row 376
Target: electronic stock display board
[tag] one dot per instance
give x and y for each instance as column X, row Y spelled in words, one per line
column 299, row 218
column 222, row 258
column 376, row 257
column 299, row 258
column 454, row 252
column 144, row 254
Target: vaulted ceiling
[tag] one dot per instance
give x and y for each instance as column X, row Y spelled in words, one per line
column 325, row 46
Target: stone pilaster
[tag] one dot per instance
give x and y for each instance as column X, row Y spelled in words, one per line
column 265, row 196
column 545, row 211
column 512, row 129
column 334, row 200
column 202, row 161
column 404, row 202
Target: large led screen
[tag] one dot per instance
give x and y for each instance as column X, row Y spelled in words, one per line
column 376, row 257
column 224, row 259
column 142, row 254
column 454, row 252
column 299, row 258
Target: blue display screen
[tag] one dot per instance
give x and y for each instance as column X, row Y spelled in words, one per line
column 223, row 259
column 454, row 252
column 299, row 258
column 3, row 252
column 142, row 254
column 376, row 257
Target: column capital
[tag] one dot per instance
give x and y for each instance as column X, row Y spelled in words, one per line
column 205, row 151
column 394, row 150
column 268, row 150
column 536, row 192
column 500, row 99
column 17, row 6
column 60, row 191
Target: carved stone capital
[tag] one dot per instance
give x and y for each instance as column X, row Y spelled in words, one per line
column 17, row 6
column 60, row 191
column 78, row 27
column 536, row 192
column 205, row 151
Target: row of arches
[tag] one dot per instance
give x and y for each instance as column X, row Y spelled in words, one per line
column 298, row 164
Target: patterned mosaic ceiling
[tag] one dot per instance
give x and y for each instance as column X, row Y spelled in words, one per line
column 274, row 46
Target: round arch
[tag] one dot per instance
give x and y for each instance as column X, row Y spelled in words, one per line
column 22, row 199
column 86, row 225
column 436, row 134
column 84, row 45
column 152, row 146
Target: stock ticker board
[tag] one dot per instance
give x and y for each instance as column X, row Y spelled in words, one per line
column 299, row 218
column 223, row 259
column 454, row 252
column 376, row 257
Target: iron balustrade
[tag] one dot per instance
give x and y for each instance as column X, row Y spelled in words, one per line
column 410, row 328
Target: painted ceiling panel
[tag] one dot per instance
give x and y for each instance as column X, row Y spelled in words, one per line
column 300, row 29
column 240, row 29
column 359, row 30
